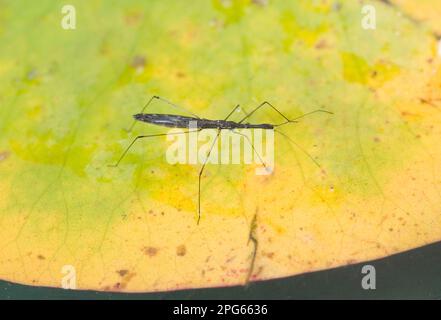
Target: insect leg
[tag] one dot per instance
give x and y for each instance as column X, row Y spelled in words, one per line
column 232, row 111
column 163, row 100
column 200, row 175
column 252, row 146
column 260, row 106
column 286, row 118
column 147, row 136
column 300, row 148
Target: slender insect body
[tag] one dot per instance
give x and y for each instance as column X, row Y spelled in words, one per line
column 198, row 124
column 178, row 121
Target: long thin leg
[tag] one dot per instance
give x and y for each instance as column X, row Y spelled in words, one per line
column 286, row 118
column 200, row 175
column 166, row 101
column 205, row 162
column 232, row 111
column 147, row 136
column 300, row 148
column 260, row 106
column 252, row 146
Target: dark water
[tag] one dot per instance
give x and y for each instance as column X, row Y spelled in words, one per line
column 415, row 274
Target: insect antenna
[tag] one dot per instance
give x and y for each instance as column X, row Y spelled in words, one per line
column 287, row 120
column 302, row 116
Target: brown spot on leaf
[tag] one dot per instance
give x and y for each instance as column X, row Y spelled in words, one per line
column 133, row 18
column 126, row 277
column 428, row 102
column 4, row 155
column 181, row 250
column 408, row 114
column 138, row 63
column 270, row 255
column 336, row 6
column 260, row 3
column 118, row 286
column 122, row 272
column 257, row 273
column 41, row 257
column 150, row 251
column 322, row 44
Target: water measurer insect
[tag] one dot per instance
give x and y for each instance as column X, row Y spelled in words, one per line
column 196, row 124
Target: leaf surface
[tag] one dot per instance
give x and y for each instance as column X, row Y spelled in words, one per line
column 66, row 97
